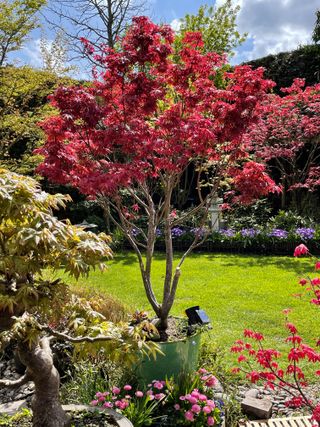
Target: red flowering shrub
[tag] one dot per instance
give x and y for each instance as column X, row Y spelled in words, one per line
column 263, row 364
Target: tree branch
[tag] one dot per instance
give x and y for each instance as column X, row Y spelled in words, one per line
column 16, row 383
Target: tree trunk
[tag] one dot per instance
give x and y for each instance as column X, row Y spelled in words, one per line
column 46, row 407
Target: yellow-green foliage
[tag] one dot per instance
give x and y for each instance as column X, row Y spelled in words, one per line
column 23, row 104
column 32, row 239
column 217, row 25
column 17, row 19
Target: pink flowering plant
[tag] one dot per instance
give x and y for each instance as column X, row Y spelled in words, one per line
column 260, row 363
column 187, row 401
column 193, row 400
column 140, row 407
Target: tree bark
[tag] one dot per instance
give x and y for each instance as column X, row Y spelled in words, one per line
column 46, row 407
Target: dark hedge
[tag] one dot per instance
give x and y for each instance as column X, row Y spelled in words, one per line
column 282, row 68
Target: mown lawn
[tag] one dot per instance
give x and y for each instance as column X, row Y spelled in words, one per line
column 236, row 291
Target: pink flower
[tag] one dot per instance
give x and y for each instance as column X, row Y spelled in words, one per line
column 211, row 403
column 192, row 400
column 127, row 387
column 195, row 394
column 173, row 213
column 301, row 250
column 202, row 371
column 182, row 398
column 210, row 421
column 207, row 409
column 196, row 409
column 189, row 416
column 177, row 407
column 211, row 382
column 123, row 405
column 108, row 405
column 94, row 402
column 159, row 396
column 116, row 390
column 139, row 393
column 317, row 266
column 203, row 397
column 158, row 385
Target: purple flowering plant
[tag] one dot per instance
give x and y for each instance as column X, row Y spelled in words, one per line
column 305, row 233
column 278, row 233
column 249, row 232
column 177, row 232
column 227, row 232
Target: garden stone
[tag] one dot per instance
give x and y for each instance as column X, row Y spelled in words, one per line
column 259, row 408
column 218, row 386
column 253, row 392
column 12, row 408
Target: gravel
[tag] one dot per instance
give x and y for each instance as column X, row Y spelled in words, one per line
column 278, row 398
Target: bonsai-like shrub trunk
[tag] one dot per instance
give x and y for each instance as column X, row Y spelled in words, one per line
column 46, row 407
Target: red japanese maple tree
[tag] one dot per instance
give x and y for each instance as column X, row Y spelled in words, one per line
column 287, row 136
column 128, row 137
column 260, row 363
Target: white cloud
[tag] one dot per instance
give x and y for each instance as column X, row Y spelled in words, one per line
column 32, row 53
column 175, row 24
column 274, row 25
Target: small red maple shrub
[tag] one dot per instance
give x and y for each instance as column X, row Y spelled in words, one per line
column 263, row 364
column 127, row 139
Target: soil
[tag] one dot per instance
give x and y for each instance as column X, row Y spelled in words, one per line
column 80, row 419
column 177, row 329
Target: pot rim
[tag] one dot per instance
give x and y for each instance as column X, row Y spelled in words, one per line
column 121, row 420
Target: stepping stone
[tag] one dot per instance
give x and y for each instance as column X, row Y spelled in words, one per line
column 258, row 408
column 11, row 408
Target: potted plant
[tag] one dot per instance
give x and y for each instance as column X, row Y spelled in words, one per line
column 127, row 139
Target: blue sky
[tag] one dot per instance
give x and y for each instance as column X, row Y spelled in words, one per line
column 273, row 25
column 168, row 10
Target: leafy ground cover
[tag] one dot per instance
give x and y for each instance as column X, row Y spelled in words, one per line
column 237, row 292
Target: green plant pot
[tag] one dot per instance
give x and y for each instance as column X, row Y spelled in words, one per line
column 178, row 357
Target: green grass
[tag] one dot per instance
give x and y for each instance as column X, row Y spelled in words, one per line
column 236, row 291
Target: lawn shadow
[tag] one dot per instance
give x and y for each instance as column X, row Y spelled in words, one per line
column 125, row 258
column 247, row 261
column 229, row 260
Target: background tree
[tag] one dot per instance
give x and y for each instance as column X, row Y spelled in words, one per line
column 128, row 139
column 217, row 25
column 100, row 21
column 17, row 19
column 219, row 33
column 23, row 103
column 32, row 241
column 54, row 54
column 316, row 31
column 287, row 136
